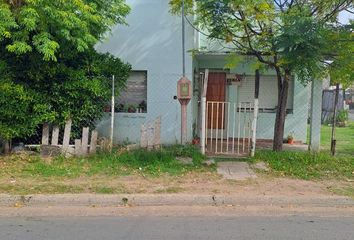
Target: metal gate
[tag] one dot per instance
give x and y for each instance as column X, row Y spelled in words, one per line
column 228, row 128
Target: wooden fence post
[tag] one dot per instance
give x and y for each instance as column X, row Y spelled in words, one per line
column 150, row 135
column 93, row 142
column 67, row 133
column 143, row 136
column 85, row 138
column 55, row 136
column 78, row 147
column 45, row 134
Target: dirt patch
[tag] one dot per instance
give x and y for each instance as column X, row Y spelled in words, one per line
column 196, row 183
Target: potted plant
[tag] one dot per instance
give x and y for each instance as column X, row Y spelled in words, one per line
column 290, row 138
column 196, row 139
column 120, row 108
column 142, row 106
column 131, row 108
column 107, row 108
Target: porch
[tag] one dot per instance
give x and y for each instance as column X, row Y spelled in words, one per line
column 229, row 118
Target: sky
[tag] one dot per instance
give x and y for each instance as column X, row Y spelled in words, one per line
column 345, row 16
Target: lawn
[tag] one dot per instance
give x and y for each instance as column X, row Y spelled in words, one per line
column 344, row 137
column 309, row 166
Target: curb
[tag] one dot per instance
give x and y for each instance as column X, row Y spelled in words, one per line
column 142, row 200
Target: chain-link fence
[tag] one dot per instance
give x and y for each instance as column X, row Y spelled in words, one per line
column 134, row 106
column 149, row 97
column 338, row 137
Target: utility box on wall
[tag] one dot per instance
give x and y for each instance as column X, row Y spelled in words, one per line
column 184, row 89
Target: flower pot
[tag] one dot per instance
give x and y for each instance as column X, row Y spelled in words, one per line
column 196, row 141
column 107, row 109
column 131, row 110
column 290, row 141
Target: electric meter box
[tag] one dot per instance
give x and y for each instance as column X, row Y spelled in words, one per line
column 184, row 89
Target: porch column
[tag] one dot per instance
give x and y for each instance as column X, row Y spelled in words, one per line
column 315, row 115
column 202, row 135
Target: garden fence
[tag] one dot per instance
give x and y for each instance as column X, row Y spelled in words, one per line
column 157, row 99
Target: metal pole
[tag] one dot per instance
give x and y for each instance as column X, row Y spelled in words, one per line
column 333, row 138
column 183, row 42
column 112, row 114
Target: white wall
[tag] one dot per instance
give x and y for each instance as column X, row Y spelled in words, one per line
column 152, row 42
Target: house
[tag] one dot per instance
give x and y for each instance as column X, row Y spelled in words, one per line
column 151, row 42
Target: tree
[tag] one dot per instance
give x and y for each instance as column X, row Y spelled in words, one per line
column 292, row 37
column 49, row 27
column 76, row 86
column 49, row 68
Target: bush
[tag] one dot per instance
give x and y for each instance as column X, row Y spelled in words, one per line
column 342, row 116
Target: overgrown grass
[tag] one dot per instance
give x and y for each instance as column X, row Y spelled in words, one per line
column 147, row 163
column 152, row 163
column 305, row 165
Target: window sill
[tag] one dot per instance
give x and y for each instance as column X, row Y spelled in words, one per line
column 131, row 115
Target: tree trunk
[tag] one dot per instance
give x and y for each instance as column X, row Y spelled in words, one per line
column 283, row 89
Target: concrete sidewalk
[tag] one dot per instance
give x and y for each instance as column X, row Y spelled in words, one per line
column 239, row 171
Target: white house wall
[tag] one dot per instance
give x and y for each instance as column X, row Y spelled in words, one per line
column 152, row 42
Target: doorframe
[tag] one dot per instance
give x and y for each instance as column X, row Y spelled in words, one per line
column 221, row 132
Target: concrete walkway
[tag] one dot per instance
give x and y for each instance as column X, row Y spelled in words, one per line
column 235, row 170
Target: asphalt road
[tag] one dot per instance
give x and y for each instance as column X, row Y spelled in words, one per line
column 215, row 228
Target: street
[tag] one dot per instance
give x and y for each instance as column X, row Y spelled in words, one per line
column 134, row 228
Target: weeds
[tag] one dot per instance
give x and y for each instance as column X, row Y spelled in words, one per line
column 147, row 163
column 305, row 165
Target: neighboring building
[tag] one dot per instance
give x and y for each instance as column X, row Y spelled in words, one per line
column 151, row 42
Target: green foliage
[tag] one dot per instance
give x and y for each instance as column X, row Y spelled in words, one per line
column 342, row 68
column 51, row 68
column 16, row 106
column 20, row 112
column 297, row 36
column 293, row 38
column 45, row 26
column 343, row 116
column 75, row 86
